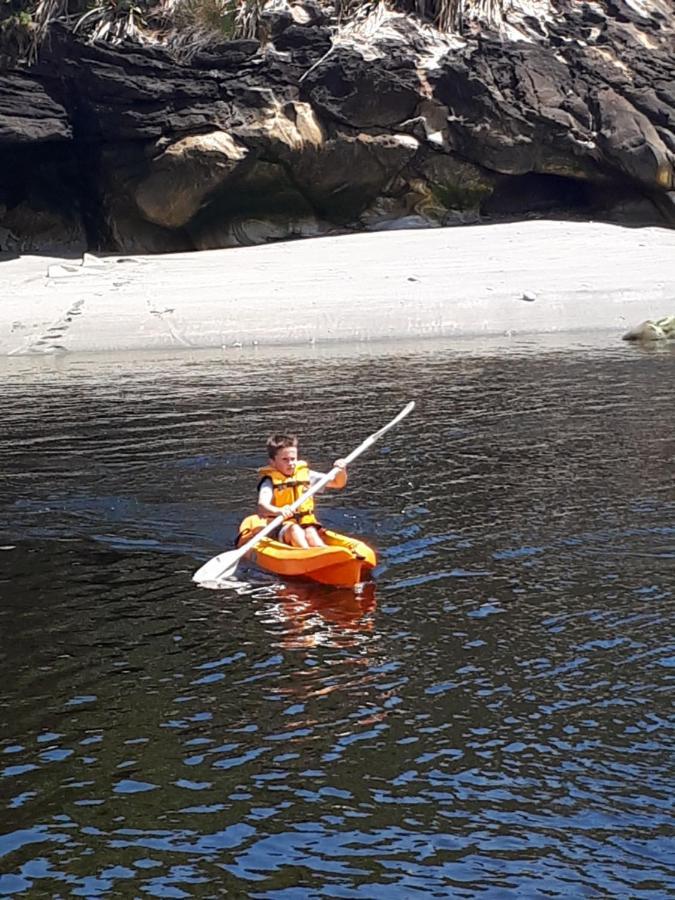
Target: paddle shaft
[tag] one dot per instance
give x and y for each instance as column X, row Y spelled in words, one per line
column 322, row 482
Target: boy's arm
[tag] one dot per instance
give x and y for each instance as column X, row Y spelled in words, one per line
column 340, row 479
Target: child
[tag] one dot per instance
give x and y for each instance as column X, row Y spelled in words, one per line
column 286, row 479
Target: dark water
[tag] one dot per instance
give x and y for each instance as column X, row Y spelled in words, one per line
column 493, row 718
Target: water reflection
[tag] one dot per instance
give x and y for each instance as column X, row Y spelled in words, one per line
column 491, row 716
column 312, row 615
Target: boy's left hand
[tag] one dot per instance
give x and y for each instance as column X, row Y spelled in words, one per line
column 340, row 464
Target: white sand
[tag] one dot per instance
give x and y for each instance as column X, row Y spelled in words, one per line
column 388, row 285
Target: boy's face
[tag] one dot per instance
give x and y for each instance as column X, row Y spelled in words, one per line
column 285, row 460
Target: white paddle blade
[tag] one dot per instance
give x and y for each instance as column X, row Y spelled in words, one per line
column 218, row 569
column 227, row 584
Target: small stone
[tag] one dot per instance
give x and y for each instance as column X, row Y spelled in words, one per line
column 530, row 298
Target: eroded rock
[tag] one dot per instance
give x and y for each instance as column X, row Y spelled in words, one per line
column 525, row 108
column 184, row 174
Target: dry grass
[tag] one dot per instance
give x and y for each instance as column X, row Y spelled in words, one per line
column 214, row 16
column 446, row 15
column 190, row 25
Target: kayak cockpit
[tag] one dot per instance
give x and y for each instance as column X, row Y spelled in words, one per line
column 343, row 561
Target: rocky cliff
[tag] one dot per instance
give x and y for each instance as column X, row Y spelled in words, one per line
column 527, row 108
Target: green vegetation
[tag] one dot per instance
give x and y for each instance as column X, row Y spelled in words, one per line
column 16, row 29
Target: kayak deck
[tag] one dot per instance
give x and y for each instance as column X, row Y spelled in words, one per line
column 343, row 562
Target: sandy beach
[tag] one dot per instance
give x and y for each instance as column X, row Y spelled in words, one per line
column 529, row 277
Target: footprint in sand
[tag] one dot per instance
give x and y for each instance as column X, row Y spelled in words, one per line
column 50, row 340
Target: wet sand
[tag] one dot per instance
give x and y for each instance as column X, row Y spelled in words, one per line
column 504, row 279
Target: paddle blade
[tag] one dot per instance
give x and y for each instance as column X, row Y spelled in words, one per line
column 218, row 569
column 227, row 584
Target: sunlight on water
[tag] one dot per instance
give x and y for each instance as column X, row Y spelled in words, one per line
column 493, row 715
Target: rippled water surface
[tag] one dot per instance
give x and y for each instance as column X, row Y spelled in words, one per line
column 493, row 717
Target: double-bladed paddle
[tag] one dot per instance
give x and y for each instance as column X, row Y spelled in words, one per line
column 223, row 566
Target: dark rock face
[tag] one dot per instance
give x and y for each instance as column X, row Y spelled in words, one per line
column 126, row 148
column 354, row 91
column 29, row 114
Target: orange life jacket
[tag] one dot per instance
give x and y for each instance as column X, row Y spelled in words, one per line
column 287, row 490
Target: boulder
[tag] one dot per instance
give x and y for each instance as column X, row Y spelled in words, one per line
column 341, row 177
column 659, row 330
column 627, row 137
column 264, row 192
column 184, row 174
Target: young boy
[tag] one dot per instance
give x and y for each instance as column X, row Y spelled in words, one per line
column 286, row 479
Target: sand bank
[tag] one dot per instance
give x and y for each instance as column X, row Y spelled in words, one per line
column 517, row 278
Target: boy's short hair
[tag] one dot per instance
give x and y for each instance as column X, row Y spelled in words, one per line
column 276, row 442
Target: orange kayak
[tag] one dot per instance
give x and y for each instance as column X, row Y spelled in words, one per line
column 343, row 562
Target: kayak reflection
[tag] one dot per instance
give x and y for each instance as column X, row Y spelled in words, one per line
column 315, row 614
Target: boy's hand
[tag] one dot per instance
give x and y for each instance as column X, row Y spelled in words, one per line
column 340, row 478
column 287, row 512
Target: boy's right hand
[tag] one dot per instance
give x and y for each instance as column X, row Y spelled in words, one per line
column 287, row 512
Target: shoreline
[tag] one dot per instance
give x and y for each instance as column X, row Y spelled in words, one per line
column 511, row 279
column 97, row 364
